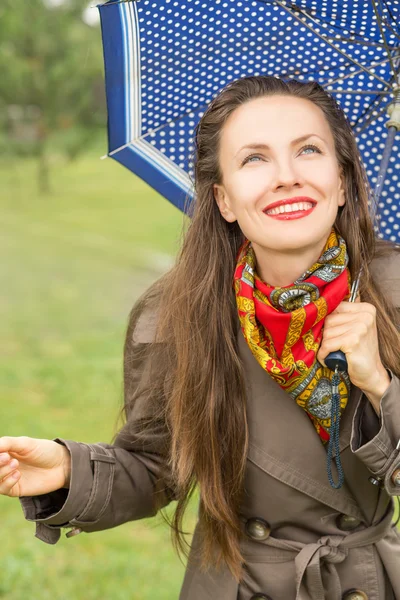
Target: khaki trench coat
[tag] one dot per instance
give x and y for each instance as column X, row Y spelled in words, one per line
column 303, row 539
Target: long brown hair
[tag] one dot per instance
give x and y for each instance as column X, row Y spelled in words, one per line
column 197, row 383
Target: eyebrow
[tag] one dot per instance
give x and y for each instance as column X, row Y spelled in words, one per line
column 260, row 145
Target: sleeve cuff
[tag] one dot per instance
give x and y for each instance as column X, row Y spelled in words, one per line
column 373, row 438
column 46, row 508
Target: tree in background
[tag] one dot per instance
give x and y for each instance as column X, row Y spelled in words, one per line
column 51, row 83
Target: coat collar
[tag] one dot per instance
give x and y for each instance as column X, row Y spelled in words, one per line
column 283, row 441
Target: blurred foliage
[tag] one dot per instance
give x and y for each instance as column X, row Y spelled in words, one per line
column 52, row 79
column 75, row 263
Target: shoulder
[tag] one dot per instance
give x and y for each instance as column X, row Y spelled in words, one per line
column 385, row 270
column 144, row 316
column 144, row 331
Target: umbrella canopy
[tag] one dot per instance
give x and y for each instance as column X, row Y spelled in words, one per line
column 165, row 60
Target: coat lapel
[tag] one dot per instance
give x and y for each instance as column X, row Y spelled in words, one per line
column 283, row 441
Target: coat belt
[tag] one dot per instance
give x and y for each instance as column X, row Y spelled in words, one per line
column 312, row 560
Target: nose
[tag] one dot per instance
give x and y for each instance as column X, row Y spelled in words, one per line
column 286, row 175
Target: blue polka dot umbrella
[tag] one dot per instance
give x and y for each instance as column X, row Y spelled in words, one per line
column 166, row 59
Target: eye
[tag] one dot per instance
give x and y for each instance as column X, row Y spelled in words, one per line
column 307, row 147
column 247, row 159
column 313, row 147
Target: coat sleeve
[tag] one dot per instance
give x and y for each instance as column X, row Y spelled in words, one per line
column 376, row 439
column 113, row 483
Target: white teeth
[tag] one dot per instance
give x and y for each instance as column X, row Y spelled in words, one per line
column 288, row 208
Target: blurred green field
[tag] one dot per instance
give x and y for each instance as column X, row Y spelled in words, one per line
column 73, row 264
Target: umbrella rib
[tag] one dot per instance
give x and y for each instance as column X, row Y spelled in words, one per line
column 352, row 41
column 359, row 71
column 368, row 123
column 389, row 25
column 328, row 42
column 321, row 22
column 367, row 109
column 320, row 70
column 389, row 10
column 342, row 77
column 384, row 38
column 370, row 118
column 304, row 73
column 361, row 40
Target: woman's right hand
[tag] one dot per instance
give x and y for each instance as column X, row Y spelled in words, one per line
column 30, row 466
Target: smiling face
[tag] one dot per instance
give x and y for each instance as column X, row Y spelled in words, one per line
column 295, row 158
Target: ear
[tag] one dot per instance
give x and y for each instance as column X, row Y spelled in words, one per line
column 223, row 203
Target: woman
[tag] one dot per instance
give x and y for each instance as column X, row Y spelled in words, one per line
column 225, row 381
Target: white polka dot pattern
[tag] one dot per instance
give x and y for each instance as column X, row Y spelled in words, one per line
column 166, row 59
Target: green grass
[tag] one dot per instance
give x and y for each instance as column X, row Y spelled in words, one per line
column 73, row 263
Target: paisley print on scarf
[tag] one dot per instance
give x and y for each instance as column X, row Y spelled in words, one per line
column 283, row 326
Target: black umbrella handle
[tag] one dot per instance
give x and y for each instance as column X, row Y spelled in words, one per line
column 336, row 359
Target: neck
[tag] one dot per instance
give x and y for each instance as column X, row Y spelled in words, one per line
column 280, row 269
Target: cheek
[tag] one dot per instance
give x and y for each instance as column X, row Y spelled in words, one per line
column 245, row 211
column 250, row 189
column 326, row 180
column 252, row 174
column 243, row 198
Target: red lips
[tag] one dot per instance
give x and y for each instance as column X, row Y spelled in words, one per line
column 293, row 200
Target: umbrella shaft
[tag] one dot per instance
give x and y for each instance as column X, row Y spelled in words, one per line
column 385, row 162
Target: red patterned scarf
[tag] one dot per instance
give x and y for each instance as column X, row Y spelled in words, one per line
column 283, row 326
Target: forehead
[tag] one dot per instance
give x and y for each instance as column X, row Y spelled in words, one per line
column 274, row 119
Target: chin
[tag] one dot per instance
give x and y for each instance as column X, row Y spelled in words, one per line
column 296, row 238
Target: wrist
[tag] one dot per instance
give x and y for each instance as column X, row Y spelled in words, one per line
column 66, row 467
column 379, row 384
column 378, row 387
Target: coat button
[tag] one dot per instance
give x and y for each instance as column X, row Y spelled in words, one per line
column 396, row 477
column 355, row 595
column 73, row 531
column 347, row 523
column 376, row 481
column 258, row 529
column 260, row 597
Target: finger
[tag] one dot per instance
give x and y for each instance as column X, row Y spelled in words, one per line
column 341, row 318
column 7, row 484
column 4, row 458
column 345, row 344
column 9, row 468
column 355, row 307
column 19, row 445
column 342, row 329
